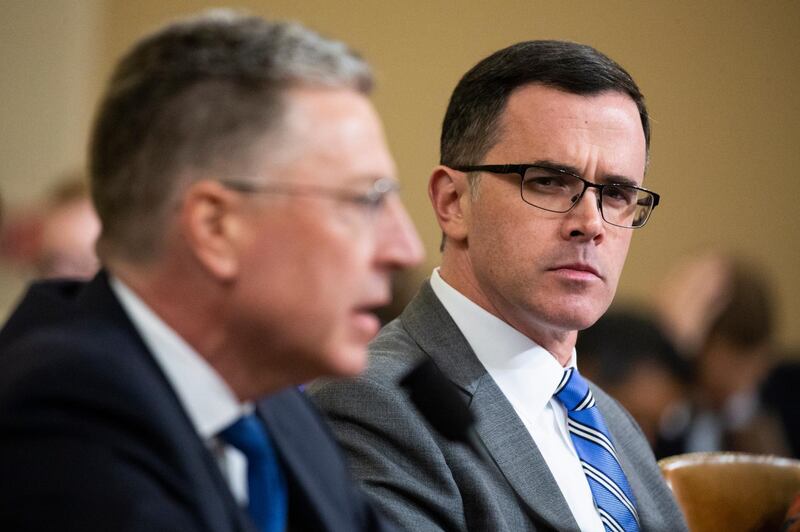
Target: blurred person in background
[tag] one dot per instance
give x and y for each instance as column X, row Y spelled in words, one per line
column 626, row 353
column 779, row 394
column 719, row 309
column 52, row 238
column 67, row 233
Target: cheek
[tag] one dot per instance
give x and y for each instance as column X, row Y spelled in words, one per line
column 326, row 280
column 339, row 258
column 616, row 253
column 279, row 270
column 501, row 237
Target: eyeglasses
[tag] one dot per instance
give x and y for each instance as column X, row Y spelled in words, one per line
column 557, row 190
column 372, row 199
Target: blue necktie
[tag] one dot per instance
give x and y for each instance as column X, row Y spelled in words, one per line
column 266, row 487
column 612, row 493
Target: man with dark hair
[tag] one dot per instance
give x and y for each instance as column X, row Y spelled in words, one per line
column 543, row 154
column 250, row 227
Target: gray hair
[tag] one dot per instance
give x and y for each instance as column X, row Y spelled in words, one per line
column 198, row 95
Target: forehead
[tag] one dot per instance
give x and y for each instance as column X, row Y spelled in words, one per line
column 601, row 131
column 331, row 134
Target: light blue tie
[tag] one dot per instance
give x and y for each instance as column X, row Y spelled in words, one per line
column 612, row 494
column 266, row 487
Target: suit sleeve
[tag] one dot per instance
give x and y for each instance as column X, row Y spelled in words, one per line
column 393, row 452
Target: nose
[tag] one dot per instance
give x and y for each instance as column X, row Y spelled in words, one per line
column 399, row 245
column 585, row 221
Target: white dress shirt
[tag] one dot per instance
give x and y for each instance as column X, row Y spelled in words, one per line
column 209, row 402
column 528, row 375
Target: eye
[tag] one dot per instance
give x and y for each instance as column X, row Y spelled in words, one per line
column 549, row 183
column 620, row 194
column 375, row 198
column 372, row 199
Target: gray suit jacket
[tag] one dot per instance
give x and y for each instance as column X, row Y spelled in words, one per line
column 425, row 482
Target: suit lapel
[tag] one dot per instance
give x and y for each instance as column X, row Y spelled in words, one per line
column 207, row 488
column 307, row 462
column 516, row 455
column 502, row 433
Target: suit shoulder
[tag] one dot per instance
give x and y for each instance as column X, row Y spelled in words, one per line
column 75, row 347
column 393, row 353
column 78, row 376
column 394, row 337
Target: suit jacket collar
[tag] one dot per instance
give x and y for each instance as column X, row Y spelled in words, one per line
column 502, row 433
column 319, row 484
column 282, row 413
column 208, row 488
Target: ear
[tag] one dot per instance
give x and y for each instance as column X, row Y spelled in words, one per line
column 449, row 193
column 210, row 225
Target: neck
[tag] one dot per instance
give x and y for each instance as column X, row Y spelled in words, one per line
column 197, row 307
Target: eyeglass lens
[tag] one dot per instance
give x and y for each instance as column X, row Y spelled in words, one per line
column 555, row 191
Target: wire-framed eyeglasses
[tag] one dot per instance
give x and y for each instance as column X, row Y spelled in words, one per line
column 557, row 190
column 372, row 199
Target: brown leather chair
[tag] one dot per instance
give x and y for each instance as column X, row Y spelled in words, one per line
column 732, row 491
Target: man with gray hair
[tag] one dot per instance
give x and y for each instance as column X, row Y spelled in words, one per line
column 250, row 224
column 539, row 189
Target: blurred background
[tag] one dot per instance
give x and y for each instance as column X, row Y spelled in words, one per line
column 720, row 78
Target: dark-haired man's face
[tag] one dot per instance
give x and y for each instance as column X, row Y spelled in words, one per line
column 550, row 274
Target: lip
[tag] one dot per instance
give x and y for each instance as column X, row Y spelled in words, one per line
column 577, row 269
column 372, row 306
column 367, row 322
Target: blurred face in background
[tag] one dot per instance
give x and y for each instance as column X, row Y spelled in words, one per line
column 315, row 256
column 67, row 241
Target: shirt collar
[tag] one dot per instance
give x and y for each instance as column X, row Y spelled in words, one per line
column 208, row 400
column 526, row 373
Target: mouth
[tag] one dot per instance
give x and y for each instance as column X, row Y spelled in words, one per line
column 577, row 271
column 366, row 317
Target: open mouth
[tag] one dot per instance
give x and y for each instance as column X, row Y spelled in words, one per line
column 366, row 319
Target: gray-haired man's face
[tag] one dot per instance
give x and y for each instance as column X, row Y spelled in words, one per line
column 315, row 265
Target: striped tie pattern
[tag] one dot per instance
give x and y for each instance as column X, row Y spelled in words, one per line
column 612, row 493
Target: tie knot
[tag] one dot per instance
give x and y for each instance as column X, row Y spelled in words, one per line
column 573, row 391
column 248, row 435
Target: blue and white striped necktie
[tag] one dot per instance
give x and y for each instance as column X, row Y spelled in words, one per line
column 612, row 494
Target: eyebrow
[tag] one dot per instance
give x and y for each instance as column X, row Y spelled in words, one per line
column 605, row 179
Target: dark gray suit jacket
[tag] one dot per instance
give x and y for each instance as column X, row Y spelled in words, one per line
column 425, row 482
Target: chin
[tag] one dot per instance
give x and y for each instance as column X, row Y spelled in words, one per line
column 347, row 361
column 575, row 319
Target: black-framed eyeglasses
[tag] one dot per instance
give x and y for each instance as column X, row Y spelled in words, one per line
column 372, row 199
column 557, row 190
